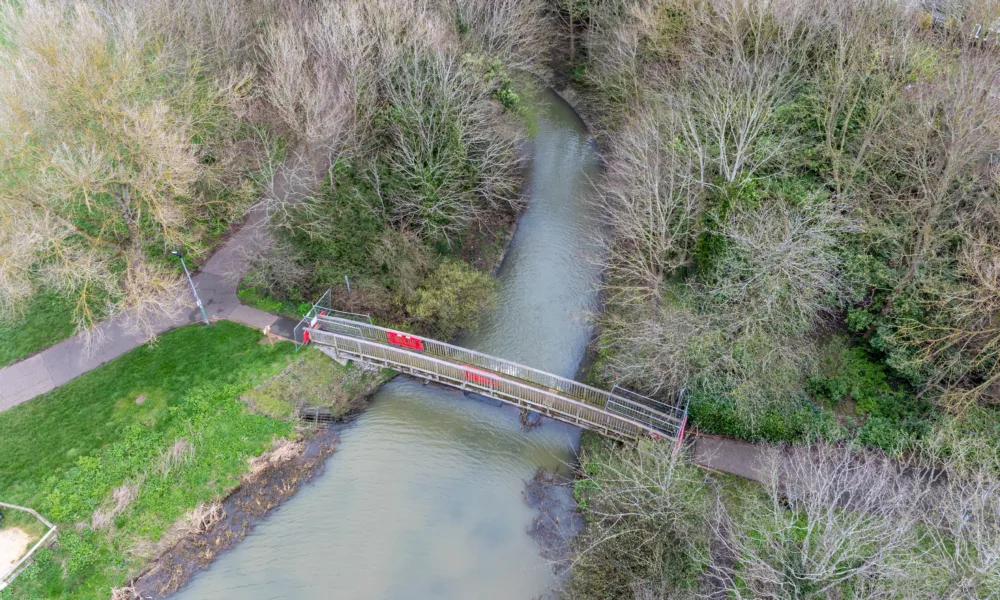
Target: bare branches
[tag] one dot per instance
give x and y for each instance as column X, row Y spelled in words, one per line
column 962, row 538
column 960, row 342
column 382, row 84
column 788, row 158
column 652, row 203
column 512, row 31
column 98, row 161
column 950, row 128
column 648, row 526
column 780, row 267
column 444, row 122
column 828, row 517
column 221, row 34
column 825, row 521
column 729, row 118
column 947, row 215
column 656, row 350
column 311, row 59
column 861, row 85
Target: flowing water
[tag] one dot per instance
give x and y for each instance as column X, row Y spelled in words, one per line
column 423, row 498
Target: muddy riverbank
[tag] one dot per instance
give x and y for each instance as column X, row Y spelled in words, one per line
column 558, row 521
column 247, row 505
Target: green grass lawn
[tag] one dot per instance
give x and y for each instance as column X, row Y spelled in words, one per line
column 48, row 319
column 66, row 452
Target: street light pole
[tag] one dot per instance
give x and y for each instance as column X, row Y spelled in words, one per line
column 180, row 254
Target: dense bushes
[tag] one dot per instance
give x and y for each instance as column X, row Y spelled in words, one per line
column 801, row 201
column 452, row 299
column 412, row 113
column 663, row 513
column 784, row 173
column 128, row 129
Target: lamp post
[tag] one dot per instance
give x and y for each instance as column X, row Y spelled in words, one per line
column 180, row 254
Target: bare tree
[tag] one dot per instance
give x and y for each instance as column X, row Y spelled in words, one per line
column 515, row 32
column 829, row 517
column 962, row 541
column 862, row 84
column 950, row 129
column 222, row 35
column 958, row 555
column 311, row 79
column 959, row 340
column 615, row 61
column 99, row 161
column 648, row 511
column 653, row 203
column 739, row 71
column 944, row 214
column 780, row 268
column 654, row 349
column 445, row 121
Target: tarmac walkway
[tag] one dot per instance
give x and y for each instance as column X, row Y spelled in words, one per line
column 71, row 358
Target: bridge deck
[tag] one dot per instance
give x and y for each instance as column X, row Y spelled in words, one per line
column 620, row 414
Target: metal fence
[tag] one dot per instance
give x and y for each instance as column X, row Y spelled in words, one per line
column 321, row 309
column 658, row 417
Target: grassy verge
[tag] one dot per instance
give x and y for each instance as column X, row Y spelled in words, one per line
column 118, row 456
column 313, row 380
column 256, row 298
column 47, row 320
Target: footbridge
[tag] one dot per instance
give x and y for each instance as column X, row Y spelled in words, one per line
column 618, row 413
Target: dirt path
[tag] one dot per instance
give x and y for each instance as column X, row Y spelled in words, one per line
column 13, row 544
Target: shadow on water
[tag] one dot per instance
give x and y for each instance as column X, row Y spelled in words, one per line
column 425, row 496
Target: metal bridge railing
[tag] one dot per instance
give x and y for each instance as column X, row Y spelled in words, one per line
column 494, row 385
column 657, row 416
column 663, row 417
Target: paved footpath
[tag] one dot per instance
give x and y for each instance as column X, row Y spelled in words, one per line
column 729, row 456
column 71, row 358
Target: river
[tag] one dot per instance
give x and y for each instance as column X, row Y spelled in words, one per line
column 423, row 498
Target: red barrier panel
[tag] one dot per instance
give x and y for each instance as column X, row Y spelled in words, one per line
column 312, row 323
column 480, row 378
column 406, row 341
